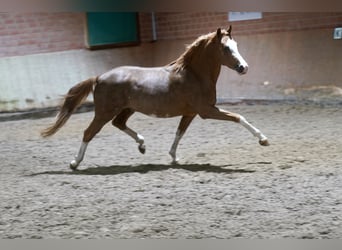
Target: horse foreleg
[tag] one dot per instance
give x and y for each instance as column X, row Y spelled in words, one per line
column 183, row 125
column 120, row 122
column 213, row 112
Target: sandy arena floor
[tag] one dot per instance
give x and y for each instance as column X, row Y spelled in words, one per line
column 226, row 185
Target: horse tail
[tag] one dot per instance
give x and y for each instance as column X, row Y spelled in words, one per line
column 72, row 100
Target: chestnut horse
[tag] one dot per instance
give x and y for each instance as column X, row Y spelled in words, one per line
column 186, row 87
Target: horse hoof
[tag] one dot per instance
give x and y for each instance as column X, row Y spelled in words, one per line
column 264, row 142
column 142, row 149
column 73, row 165
column 175, row 161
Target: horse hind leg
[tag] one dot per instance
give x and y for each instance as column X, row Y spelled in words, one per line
column 95, row 126
column 120, row 122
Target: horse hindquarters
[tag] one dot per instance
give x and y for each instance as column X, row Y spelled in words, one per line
column 104, row 112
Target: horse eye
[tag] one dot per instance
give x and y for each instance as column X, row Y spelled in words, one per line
column 226, row 49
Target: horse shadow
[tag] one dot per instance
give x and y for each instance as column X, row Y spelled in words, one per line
column 145, row 168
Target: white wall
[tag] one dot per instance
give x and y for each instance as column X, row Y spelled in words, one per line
column 40, row 80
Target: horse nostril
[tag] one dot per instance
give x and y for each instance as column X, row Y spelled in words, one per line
column 240, row 69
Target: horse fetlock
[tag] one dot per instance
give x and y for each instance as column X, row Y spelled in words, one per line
column 140, row 139
column 172, row 153
column 262, row 138
column 175, row 159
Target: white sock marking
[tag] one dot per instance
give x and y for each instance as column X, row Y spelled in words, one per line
column 175, row 145
column 137, row 137
column 79, row 157
column 256, row 132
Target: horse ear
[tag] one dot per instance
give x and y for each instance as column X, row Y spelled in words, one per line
column 230, row 31
column 219, row 33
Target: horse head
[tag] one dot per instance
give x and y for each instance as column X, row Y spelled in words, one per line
column 230, row 55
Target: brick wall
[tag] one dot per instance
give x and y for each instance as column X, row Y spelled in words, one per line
column 190, row 25
column 30, row 33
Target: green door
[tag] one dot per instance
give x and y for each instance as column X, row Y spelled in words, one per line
column 108, row 29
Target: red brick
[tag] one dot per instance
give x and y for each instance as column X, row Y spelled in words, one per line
column 26, row 33
column 32, row 30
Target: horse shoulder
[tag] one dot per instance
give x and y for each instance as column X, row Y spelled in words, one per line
column 202, row 91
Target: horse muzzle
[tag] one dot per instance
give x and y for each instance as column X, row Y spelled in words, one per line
column 241, row 69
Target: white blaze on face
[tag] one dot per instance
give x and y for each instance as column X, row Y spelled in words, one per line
column 232, row 45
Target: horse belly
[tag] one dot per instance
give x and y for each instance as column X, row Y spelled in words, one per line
column 160, row 105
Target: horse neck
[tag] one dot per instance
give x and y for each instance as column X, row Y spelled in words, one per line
column 205, row 65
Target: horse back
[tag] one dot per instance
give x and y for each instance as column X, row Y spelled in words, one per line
column 154, row 91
